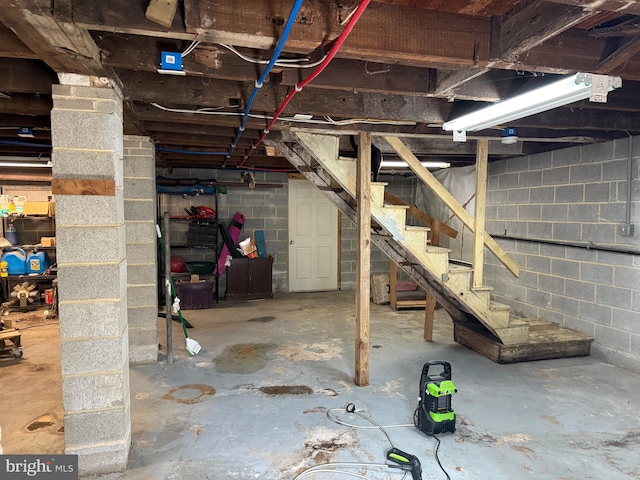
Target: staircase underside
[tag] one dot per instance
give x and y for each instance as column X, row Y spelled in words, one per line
column 469, row 308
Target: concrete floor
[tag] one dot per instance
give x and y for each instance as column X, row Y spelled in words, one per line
column 252, row 404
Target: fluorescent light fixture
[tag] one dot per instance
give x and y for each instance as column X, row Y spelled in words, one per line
column 15, row 161
column 25, row 165
column 567, row 90
column 401, row 164
column 26, row 132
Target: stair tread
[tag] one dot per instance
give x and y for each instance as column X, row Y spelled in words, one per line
column 417, row 227
column 455, row 268
column 496, row 306
column 432, row 249
column 397, row 207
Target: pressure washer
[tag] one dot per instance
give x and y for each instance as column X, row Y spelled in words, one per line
column 435, row 413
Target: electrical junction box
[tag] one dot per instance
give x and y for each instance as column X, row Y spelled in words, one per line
column 171, row 61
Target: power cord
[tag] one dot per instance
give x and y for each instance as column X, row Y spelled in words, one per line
column 437, row 447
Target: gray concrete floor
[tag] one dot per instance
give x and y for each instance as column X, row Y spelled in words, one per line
column 252, row 404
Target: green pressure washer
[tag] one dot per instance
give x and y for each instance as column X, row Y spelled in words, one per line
column 435, row 414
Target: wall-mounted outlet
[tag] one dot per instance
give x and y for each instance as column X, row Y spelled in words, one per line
column 626, row 229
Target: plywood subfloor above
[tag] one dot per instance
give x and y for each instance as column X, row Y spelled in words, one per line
column 546, row 341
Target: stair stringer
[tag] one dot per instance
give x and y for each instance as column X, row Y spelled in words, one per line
column 317, row 155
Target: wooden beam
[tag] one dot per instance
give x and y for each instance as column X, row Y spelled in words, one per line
column 450, row 201
column 198, row 129
column 144, row 53
column 449, row 81
column 535, row 24
column 620, row 56
column 422, row 216
column 12, row 47
column 63, row 46
column 26, row 76
column 374, row 77
column 147, row 87
column 363, row 263
column 25, row 104
column 64, row 186
column 260, row 27
column 481, row 199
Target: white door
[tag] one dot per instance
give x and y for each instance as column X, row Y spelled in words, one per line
column 313, row 239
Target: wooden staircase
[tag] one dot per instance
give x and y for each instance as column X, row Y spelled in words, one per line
column 317, row 158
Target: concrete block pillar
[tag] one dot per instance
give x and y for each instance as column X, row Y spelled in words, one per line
column 140, row 221
column 86, row 131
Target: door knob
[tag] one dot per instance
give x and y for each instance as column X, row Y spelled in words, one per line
column 290, row 242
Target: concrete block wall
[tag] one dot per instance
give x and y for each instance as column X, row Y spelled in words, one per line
column 266, row 209
column 562, row 210
column 141, row 247
column 86, row 127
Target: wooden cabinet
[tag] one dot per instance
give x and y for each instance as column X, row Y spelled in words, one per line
column 249, row 278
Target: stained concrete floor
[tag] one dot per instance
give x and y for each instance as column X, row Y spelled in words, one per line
column 252, row 404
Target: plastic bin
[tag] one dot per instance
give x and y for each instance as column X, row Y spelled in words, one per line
column 195, row 295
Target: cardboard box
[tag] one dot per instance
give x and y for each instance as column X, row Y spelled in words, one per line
column 48, row 241
column 36, row 208
column 39, row 208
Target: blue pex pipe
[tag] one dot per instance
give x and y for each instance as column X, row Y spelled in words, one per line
column 274, row 58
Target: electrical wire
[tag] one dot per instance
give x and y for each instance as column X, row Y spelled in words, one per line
column 283, row 62
column 190, row 48
column 299, row 86
column 327, row 120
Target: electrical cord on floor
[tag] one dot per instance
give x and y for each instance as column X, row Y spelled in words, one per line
column 437, row 447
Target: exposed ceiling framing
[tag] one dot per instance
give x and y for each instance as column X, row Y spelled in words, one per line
column 410, row 64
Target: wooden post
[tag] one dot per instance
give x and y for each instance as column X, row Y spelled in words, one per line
column 429, row 314
column 393, row 285
column 430, row 302
column 363, row 264
column 482, row 156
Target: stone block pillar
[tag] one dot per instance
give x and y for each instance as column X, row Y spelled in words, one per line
column 140, row 221
column 86, row 130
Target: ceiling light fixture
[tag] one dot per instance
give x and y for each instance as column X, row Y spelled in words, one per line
column 509, row 136
column 401, row 164
column 567, row 90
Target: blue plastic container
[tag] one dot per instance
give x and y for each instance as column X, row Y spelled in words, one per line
column 38, row 262
column 16, row 261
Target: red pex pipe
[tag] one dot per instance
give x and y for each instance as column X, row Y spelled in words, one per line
column 299, row 86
